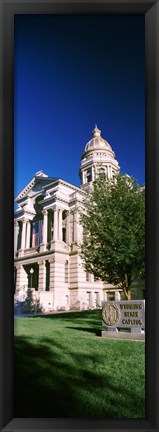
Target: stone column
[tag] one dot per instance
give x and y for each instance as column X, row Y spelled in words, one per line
column 28, row 235
column 105, row 296
column 60, row 225
column 91, row 277
column 92, row 172
column 90, row 299
column 42, row 275
column 55, row 225
column 117, row 295
column 23, row 239
column 83, row 177
column 52, row 274
column 75, row 226
column 45, row 223
column 67, row 228
column 110, row 172
column 16, row 230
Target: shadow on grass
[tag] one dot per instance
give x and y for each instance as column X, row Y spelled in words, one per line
column 93, row 315
column 97, row 332
column 58, row 382
column 91, row 318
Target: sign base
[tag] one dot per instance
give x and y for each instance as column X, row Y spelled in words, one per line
column 123, row 335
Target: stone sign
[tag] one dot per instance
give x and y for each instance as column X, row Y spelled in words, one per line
column 124, row 314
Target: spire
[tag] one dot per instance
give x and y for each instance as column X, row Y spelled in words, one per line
column 96, row 132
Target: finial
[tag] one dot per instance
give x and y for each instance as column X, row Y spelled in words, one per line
column 96, row 132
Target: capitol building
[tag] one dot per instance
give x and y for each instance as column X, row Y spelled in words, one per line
column 48, row 235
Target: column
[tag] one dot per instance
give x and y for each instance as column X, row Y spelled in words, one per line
column 90, row 299
column 60, row 225
column 23, row 234
column 75, row 226
column 92, row 173
column 67, row 228
column 82, row 177
column 91, row 277
column 45, row 221
column 16, row 230
column 117, row 295
column 105, row 296
column 28, row 235
column 110, row 172
column 42, row 275
column 52, row 273
column 55, row 225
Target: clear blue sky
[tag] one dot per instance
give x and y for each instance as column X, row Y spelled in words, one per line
column 72, row 71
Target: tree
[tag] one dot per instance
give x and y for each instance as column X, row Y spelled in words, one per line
column 113, row 221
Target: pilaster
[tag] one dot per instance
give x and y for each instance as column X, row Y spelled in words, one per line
column 28, row 230
column 55, row 225
column 68, row 228
column 60, row 225
column 42, row 275
column 43, row 246
column 52, row 274
column 23, row 240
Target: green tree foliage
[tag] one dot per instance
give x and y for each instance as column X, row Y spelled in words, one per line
column 113, row 220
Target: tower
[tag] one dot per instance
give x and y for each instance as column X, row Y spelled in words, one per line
column 98, row 157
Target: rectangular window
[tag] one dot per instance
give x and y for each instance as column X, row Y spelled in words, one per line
column 87, row 277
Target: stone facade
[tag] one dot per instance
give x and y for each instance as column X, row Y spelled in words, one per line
column 48, row 235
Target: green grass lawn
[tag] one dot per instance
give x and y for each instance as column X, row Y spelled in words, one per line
column 65, row 369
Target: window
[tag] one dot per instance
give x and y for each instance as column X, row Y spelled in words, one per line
column 102, row 172
column 47, row 264
column 110, row 296
column 19, row 235
column 64, row 235
column 87, row 277
column 64, row 214
column 89, row 176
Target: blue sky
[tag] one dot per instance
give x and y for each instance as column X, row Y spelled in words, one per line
column 70, row 72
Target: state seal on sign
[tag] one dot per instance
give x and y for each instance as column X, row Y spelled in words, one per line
column 110, row 314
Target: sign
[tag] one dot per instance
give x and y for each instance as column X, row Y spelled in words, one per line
column 124, row 314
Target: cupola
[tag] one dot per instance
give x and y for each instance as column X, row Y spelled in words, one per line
column 98, row 157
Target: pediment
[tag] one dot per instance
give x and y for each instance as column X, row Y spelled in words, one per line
column 35, row 185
